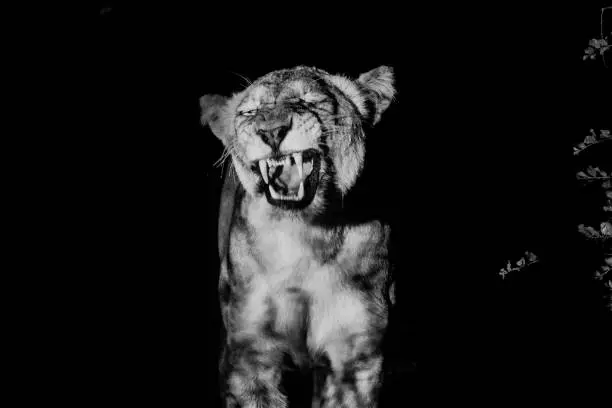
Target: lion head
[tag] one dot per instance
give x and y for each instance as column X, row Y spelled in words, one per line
column 297, row 134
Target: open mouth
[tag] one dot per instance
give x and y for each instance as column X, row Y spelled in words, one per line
column 292, row 179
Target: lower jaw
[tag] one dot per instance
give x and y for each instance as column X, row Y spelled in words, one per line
column 310, row 188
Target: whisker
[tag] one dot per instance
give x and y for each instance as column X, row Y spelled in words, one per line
column 247, row 80
column 221, row 159
column 227, row 152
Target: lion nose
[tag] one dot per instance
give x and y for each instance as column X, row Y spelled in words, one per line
column 272, row 132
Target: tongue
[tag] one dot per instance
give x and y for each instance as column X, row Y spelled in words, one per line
column 289, row 178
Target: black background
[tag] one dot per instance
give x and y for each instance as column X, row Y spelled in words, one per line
column 476, row 154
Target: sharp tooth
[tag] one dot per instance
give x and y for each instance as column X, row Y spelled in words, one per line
column 300, row 194
column 298, row 162
column 263, row 168
column 274, row 194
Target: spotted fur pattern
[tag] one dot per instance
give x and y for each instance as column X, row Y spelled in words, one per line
column 293, row 283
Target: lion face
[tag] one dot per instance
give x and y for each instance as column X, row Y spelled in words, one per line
column 295, row 134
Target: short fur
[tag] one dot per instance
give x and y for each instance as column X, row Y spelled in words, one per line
column 294, row 281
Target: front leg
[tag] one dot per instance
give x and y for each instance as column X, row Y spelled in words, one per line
column 355, row 377
column 250, row 365
column 348, row 328
column 251, row 375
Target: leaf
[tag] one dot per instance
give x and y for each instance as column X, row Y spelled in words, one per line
column 600, row 273
column 582, row 175
column 590, row 139
column 531, row 256
column 590, row 232
column 606, row 228
column 521, row 262
column 592, row 171
column 605, row 134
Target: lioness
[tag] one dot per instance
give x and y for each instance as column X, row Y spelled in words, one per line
column 297, row 279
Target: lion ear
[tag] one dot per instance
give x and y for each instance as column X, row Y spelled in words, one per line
column 377, row 85
column 213, row 113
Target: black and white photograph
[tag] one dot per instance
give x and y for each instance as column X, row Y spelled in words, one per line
column 380, row 206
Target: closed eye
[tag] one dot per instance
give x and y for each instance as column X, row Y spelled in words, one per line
column 251, row 112
column 314, row 99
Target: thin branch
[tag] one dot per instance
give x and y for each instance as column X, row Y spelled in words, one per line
column 601, row 19
column 603, row 57
column 592, row 178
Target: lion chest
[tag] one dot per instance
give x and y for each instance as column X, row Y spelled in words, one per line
column 287, row 274
column 287, row 258
column 297, row 272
